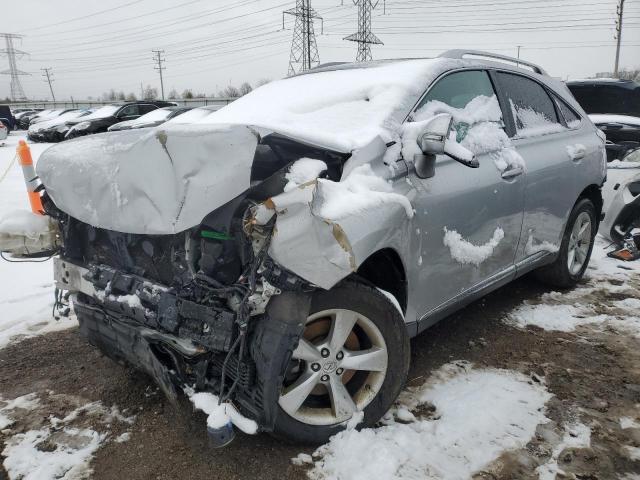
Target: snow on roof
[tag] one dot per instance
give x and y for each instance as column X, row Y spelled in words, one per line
column 340, row 108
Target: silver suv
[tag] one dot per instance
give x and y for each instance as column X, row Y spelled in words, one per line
column 280, row 253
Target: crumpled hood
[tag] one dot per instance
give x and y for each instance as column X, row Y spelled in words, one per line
column 162, row 182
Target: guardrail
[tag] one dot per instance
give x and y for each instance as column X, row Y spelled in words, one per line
column 188, row 102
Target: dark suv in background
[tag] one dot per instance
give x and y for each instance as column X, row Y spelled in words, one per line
column 614, row 106
column 100, row 120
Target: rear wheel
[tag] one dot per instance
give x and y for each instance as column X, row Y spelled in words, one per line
column 575, row 250
column 353, row 356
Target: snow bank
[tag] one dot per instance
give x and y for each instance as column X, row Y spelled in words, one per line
column 25, row 402
column 479, row 414
column 343, row 109
column 362, row 190
column 220, row 415
column 465, row 252
column 303, row 171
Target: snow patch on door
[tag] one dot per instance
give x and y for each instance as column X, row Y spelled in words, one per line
column 466, row 252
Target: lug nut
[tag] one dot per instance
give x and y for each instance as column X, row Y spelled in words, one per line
column 324, row 378
column 340, row 356
column 339, row 371
column 325, row 352
column 315, row 367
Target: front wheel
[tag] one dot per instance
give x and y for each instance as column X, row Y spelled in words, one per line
column 353, row 356
column 575, row 250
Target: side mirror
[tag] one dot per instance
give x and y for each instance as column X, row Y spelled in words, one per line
column 435, row 141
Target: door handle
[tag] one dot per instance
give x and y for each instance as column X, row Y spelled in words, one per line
column 512, row 172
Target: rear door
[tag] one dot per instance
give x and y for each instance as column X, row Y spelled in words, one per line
column 555, row 152
column 468, row 220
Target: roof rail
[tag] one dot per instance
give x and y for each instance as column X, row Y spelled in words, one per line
column 461, row 54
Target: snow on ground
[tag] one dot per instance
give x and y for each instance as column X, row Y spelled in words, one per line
column 475, row 415
column 26, row 289
column 591, row 304
column 575, row 436
column 40, row 446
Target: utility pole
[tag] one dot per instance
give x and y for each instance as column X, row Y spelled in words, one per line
column 304, row 49
column 618, row 36
column 364, row 36
column 158, row 58
column 141, row 91
column 17, row 92
column 47, row 73
column 519, row 47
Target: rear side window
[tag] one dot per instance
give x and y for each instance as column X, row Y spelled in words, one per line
column 571, row 118
column 146, row 108
column 533, row 110
column 129, row 110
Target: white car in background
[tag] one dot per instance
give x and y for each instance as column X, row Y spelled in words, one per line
column 4, row 131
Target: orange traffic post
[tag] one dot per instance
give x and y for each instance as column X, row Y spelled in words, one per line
column 30, row 177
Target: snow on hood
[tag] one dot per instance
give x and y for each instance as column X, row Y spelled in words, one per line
column 162, row 182
column 342, row 109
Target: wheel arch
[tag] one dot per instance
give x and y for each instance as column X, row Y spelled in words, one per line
column 385, row 270
column 594, row 193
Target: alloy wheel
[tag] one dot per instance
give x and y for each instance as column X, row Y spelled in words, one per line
column 579, row 243
column 337, row 369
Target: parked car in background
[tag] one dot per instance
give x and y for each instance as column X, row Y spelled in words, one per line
column 23, row 119
column 6, row 117
column 55, row 129
column 49, row 115
column 614, row 106
column 151, row 119
column 279, row 253
column 195, row 115
column 100, row 120
column 4, row 131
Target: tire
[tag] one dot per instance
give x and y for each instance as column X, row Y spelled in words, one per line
column 559, row 273
column 378, row 322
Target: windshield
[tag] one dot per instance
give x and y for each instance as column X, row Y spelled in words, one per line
column 192, row 116
column 154, row 116
column 342, row 109
column 103, row 112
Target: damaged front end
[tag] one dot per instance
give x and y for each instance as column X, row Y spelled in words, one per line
column 208, row 308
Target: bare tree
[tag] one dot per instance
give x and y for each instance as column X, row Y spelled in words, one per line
column 150, row 93
column 187, row 94
column 173, row 94
column 245, row 88
column 121, row 95
column 231, row 91
column 131, row 97
column 110, row 96
column 630, row 74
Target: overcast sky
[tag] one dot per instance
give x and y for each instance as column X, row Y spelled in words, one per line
column 93, row 45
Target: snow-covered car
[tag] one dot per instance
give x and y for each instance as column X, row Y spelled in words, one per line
column 273, row 260
column 621, row 196
column 151, row 119
column 55, row 129
column 613, row 106
column 100, row 120
column 47, row 115
column 24, row 118
column 194, row 115
column 4, row 131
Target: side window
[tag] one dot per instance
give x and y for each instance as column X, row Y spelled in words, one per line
column 146, row 108
column 533, row 110
column 571, row 118
column 468, row 96
column 129, row 110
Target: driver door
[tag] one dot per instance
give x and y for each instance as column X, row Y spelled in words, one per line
column 468, row 221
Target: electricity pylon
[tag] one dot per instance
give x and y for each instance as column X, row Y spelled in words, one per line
column 364, row 36
column 17, row 92
column 304, row 50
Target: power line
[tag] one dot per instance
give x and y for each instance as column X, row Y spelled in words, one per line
column 304, row 49
column 47, row 73
column 618, row 36
column 158, row 58
column 364, row 37
column 17, row 92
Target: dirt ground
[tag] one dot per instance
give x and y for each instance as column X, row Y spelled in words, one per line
column 594, row 375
